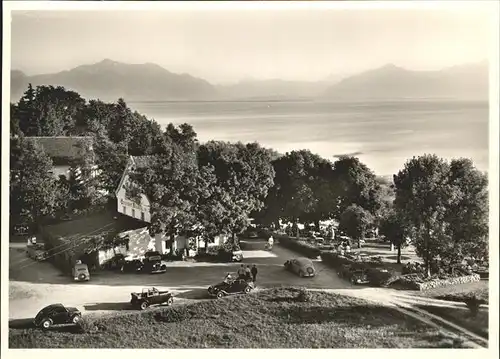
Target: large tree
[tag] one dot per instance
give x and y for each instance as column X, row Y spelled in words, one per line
column 111, row 160
column 467, row 213
column 303, row 189
column 395, row 230
column 83, row 183
column 174, row 186
column 356, row 184
column 355, row 221
column 243, row 175
column 48, row 111
column 33, row 190
column 422, row 196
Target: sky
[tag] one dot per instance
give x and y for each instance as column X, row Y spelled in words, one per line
column 227, row 46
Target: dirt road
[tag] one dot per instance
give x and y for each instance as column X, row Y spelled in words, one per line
column 34, row 285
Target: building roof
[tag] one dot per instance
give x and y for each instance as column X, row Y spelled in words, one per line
column 76, row 235
column 63, row 149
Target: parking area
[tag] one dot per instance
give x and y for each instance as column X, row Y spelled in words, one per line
column 34, row 285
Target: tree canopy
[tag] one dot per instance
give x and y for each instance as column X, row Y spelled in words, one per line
column 33, row 190
column 445, row 206
column 217, row 186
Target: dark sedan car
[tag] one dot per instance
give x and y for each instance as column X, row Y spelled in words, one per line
column 57, row 314
column 231, row 286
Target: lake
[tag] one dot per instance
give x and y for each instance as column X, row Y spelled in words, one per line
column 382, row 134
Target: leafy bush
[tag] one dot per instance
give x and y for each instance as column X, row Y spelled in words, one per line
column 413, row 268
column 90, row 326
column 406, row 281
column 335, row 260
column 299, row 246
column 304, row 295
column 473, row 303
column 376, row 259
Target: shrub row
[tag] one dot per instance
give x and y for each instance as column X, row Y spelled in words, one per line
column 299, row 246
column 417, row 282
column 335, row 260
column 437, row 283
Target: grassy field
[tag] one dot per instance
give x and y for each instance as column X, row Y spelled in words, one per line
column 463, row 318
column 458, row 293
column 275, row 318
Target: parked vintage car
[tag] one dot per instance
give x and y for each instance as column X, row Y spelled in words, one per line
column 231, row 285
column 359, row 276
column 237, row 256
column 81, row 272
column 115, row 263
column 304, row 267
column 56, row 314
column 132, row 266
column 37, row 251
column 153, row 263
column 151, row 296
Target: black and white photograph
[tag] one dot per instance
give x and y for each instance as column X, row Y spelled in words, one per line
column 250, row 175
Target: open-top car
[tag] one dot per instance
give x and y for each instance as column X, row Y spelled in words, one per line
column 153, row 263
column 56, row 314
column 304, row 267
column 231, row 285
column 151, row 296
column 36, row 251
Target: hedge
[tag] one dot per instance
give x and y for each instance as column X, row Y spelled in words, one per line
column 416, row 282
column 437, row 283
column 299, row 246
column 335, row 260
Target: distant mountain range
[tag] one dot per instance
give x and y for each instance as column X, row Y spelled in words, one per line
column 393, row 82
column 109, row 80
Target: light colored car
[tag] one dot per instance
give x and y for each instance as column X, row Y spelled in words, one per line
column 81, row 272
column 304, row 267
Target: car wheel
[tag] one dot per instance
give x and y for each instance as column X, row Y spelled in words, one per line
column 163, row 267
column 76, row 319
column 170, row 301
column 220, row 294
column 46, row 324
column 301, row 273
column 144, row 305
column 248, row 289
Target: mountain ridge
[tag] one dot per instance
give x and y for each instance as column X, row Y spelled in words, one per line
column 108, row 80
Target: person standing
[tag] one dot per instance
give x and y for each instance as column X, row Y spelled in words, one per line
column 248, row 273
column 254, row 273
column 241, row 272
column 270, row 243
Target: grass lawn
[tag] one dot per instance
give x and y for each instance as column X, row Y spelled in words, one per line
column 462, row 317
column 274, row 318
column 459, row 292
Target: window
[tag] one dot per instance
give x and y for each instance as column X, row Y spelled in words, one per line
column 124, row 210
column 133, row 212
column 142, row 216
